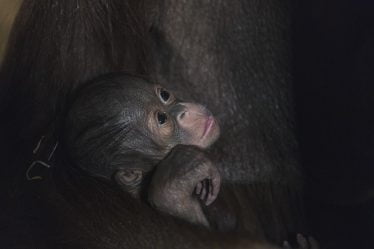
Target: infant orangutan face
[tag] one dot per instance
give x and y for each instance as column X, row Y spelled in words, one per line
column 173, row 122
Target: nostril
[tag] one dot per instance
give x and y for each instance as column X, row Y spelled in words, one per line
column 182, row 115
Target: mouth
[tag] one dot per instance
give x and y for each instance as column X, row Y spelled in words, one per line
column 208, row 126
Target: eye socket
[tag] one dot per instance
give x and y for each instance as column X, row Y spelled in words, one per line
column 164, row 95
column 161, row 118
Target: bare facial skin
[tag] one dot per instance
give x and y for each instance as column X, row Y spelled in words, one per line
column 174, row 122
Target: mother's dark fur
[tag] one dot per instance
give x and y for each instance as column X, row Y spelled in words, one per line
column 231, row 55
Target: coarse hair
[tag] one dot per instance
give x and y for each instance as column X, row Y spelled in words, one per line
column 104, row 127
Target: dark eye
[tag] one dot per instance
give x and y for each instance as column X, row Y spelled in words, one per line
column 162, row 118
column 165, row 95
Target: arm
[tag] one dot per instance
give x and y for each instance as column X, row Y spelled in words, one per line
column 183, row 182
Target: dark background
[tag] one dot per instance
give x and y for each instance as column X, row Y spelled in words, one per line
column 334, row 90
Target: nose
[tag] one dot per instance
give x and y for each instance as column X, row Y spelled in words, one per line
column 182, row 115
column 190, row 112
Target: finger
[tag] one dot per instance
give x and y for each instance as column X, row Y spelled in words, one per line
column 210, row 198
column 204, row 191
column 216, row 183
column 302, row 241
column 313, row 243
column 286, row 245
column 198, row 188
column 210, row 187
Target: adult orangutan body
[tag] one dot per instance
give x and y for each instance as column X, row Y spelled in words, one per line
column 232, row 56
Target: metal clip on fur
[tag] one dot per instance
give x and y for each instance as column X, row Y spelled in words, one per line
column 35, row 151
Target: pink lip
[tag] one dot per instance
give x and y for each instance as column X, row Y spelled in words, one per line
column 208, row 125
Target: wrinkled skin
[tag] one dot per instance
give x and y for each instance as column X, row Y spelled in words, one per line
column 185, row 172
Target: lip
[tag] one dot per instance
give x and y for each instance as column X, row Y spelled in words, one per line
column 208, row 126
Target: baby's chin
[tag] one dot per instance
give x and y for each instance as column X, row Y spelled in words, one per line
column 208, row 138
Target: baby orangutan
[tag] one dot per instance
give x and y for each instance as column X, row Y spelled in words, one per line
column 149, row 142
column 122, row 128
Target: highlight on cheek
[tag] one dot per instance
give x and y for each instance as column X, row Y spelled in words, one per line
column 160, row 126
column 166, row 131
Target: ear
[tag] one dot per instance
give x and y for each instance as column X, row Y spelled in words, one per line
column 132, row 172
column 130, row 180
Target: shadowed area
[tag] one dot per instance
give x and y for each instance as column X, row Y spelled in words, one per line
column 334, row 60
